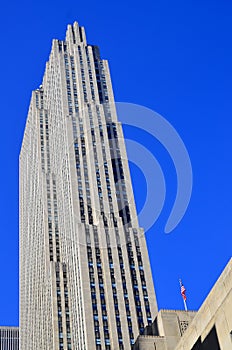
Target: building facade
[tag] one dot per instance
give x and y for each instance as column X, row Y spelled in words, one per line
column 211, row 328
column 85, row 278
column 9, row 338
column 166, row 331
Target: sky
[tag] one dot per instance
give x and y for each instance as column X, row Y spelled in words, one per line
column 173, row 57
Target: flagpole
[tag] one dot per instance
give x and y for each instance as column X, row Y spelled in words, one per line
column 185, row 305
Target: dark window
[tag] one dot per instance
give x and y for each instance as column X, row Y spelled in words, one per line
column 209, row 343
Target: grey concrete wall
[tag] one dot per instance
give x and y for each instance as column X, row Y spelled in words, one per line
column 216, row 310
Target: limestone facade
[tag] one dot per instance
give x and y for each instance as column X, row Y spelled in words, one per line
column 85, row 277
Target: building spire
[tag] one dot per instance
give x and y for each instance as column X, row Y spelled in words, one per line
column 75, row 34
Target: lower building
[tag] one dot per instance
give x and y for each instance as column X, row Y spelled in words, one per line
column 9, row 338
column 211, row 328
column 208, row 329
column 166, row 331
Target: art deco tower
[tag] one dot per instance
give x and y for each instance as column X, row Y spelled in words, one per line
column 85, row 279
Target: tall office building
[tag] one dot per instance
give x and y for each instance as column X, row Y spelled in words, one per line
column 85, row 278
column 9, row 338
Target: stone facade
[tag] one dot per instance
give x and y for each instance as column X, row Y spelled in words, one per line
column 215, row 315
column 85, row 277
column 166, row 331
column 208, row 329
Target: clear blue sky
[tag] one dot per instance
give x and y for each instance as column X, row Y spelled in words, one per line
column 174, row 57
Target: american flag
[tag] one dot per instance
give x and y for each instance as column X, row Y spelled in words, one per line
column 182, row 291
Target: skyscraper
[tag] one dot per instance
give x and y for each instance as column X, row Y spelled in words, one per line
column 9, row 338
column 85, row 278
